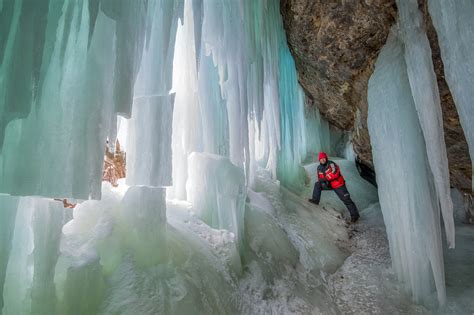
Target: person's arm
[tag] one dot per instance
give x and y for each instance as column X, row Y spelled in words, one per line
column 321, row 177
column 335, row 172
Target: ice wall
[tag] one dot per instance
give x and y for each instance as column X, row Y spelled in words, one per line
column 29, row 283
column 149, row 139
column 317, row 133
column 424, row 89
column 251, row 111
column 8, row 209
column 67, row 69
column 454, row 25
column 405, row 181
column 216, row 188
column 206, row 113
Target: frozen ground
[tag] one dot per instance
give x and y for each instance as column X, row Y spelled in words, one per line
column 366, row 284
column 294, row 258
column 303, row 259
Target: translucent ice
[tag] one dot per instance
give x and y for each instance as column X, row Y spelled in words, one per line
column 8, row 209
column 67, row 69
column 149, row 141
column 216, row 188
column 424, row 89
column 29, row 284
column 406, row 185
column 454, row 25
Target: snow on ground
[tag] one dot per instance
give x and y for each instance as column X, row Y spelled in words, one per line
column 301, row 258
column 365, row 284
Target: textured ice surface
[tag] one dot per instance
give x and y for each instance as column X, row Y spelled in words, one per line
column 216, row 189
column 405, row 182
column 424, row 88
column 149, row 141
column 67, row 69
column 8, row 209
column 454, row 26
column 29, row 284
column 251, row 110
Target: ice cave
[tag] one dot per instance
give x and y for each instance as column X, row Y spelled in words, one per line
column 163, row 157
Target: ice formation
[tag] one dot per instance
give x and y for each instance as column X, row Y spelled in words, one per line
column 207, row 218
column 454, row 26
column 407, row 194
column 425, row 93
column 211, row 93
column 216, row 188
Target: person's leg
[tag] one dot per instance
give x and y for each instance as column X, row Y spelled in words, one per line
column 316, row 193
column 345, row 197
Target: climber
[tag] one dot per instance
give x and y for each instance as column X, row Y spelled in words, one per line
column 330, row 178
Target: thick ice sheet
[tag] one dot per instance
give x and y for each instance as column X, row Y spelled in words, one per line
column 424, row 88
column 405, row 183
column 454, row 26
column 216, row 189
column 149, row 141
column 67, row 69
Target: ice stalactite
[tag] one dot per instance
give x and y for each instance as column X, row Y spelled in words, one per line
column 454, row 26
column 8, row 209
column 406, row 185
column 257, row 104
column 217, row 95
column 149, row 153
column 317, row 133
column 66, row 117
column 293, row 136
column 216, row 188
column 144, row 215
column 29, row 284
column 424, row 89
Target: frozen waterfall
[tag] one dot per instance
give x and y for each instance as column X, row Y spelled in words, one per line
column 212, row 217
column 214, row 109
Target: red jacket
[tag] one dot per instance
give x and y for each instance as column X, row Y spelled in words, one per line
column 331, row 172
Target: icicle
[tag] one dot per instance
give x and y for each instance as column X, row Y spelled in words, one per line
column 454, row 25
column 406, row 188
column 149, row 142
column 424, row 89
column 216, row 188
column 8, row 209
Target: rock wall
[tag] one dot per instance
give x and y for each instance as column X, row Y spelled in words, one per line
column 335, row 45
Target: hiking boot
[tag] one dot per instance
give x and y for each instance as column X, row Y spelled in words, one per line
column 313, row 201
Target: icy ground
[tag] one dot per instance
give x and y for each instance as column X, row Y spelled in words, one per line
column 303, row 259
column 366, row 284
column 296, row 258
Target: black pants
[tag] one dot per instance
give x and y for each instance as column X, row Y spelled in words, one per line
column 341, row 192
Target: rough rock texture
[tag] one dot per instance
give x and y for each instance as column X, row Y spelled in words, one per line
column 335, row 45
column 114, row 165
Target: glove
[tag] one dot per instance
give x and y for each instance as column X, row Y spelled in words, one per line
column 324, row 184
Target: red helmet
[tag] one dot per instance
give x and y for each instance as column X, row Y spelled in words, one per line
column 322, row 155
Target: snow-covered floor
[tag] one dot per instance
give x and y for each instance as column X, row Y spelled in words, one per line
column 365, row 283
column 303, row 258
column 296, row 258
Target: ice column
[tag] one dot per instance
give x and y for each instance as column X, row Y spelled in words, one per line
column 216, row 188
column 144, row 212
column 8, row 209
column 406, row 186
column 424, row 89
column 454, row 25
column 149, row 141
column 78, row 71
column 292, row 122
column 29, row 284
